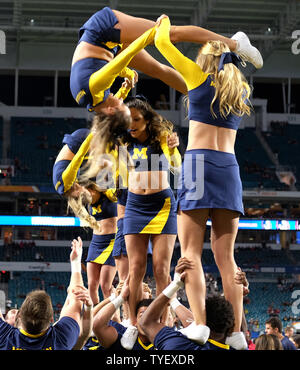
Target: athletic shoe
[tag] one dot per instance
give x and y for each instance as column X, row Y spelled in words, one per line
column 129, row 337
column 246, row 51
column 237, row 341
column 197, row 333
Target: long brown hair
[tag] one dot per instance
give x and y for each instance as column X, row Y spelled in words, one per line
column 157, row 125
column 268, row 342
column 231, row 86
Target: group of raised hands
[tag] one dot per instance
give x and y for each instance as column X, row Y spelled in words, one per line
column 81, row 293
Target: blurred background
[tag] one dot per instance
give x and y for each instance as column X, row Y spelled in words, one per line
column 37, row 41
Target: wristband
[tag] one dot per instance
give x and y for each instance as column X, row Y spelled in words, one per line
column 175, row 303
column 112, row 297
column 75, row 266
column 172, row 288
column 118, row 301
column 177, row 280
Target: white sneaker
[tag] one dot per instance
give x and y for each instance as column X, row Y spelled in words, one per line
column 237, row 341
column 246, row 51
column 129, row 337
column 198, row 333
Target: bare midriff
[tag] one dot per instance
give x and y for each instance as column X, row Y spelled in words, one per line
column 205, row 136
column 108, row 226
column 87, row 50
column 148, row 182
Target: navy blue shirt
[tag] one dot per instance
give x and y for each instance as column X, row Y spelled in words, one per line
column 287, row 344
column 61, row 336
column 170, row 339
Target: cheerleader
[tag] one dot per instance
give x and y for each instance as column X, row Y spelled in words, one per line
column 95, row 206
column 150, row 208
column 97, row 62
column 210, row 184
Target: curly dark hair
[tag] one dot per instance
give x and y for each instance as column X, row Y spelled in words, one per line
column 157, row 124
column 219, row 315
column 143, row 303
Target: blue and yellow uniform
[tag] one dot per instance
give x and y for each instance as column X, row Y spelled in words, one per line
column 154, row 213
column 101, row 246
column 170, row 339
column 120, row 246
column 210, row 178
column 61, row 336
column 92, row 78
column 65, row 172
column 138, row 346
column 94, row 344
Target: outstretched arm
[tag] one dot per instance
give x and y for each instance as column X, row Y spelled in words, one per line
column 106, row 334
column 73, row 305
column 183, row 313
column 87, row 318
column 150, row 321
column 240, row 278
column 69, row 173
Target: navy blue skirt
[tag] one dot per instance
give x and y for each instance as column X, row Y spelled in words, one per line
column 99, row 30
column 122, row 197
column 210, row 179
column 100, row 249
column 151, row 214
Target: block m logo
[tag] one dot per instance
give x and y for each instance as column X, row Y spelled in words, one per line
column 137, row 153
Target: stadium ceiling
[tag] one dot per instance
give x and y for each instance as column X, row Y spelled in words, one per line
column 269, row 23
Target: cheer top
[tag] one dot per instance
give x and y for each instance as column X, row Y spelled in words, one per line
column 153, row 157
column 201, row 90
column 65, row 172
column 105, row 207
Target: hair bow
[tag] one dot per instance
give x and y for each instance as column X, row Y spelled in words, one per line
column 229, row 57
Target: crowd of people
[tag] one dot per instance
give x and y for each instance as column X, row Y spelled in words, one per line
column 115, row 177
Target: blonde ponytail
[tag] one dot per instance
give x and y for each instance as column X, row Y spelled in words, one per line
column 231, row 87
